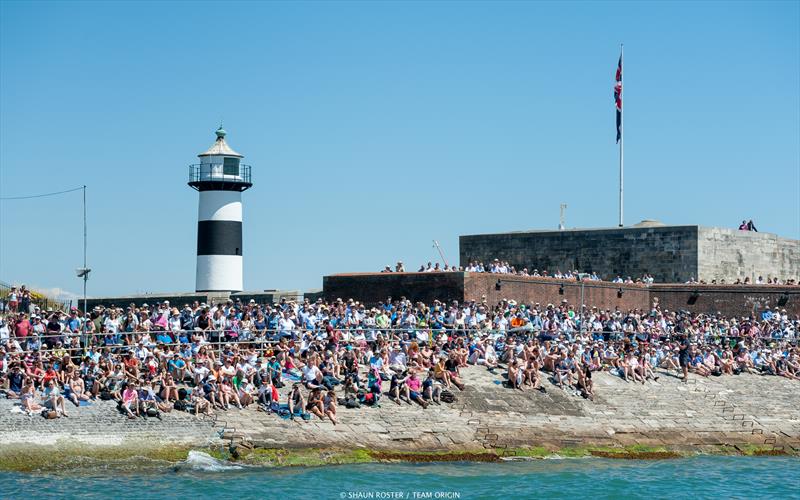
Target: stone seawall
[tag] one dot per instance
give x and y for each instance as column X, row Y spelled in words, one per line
column 734, row 413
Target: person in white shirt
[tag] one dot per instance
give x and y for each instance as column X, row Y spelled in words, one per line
column 201, row 371
column 310, row 375
column 141, row 352
column 227, row 369
column 397, row 359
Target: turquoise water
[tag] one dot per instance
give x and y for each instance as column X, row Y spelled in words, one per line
column 699, row 477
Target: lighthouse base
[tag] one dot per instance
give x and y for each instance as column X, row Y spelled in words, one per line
column 219, row 273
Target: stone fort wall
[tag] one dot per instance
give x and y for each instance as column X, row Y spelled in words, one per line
column 729, row 254
column 672, row 254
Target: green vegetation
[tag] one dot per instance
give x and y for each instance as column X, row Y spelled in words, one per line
column 754, row 450
column 59, row 457
column 305, row 457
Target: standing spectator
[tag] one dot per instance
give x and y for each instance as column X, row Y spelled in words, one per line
column 24, row 300
column 13, row 300
column 22, row 327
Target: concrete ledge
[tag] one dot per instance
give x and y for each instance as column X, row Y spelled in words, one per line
column 734, row 414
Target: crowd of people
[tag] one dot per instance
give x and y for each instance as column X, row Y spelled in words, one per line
column 747, row 281
column 204, row 358
column 498, row 266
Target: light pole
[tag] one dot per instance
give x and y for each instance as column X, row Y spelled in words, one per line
column 84, row 271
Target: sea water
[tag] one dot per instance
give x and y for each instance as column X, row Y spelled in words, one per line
column 202, row 476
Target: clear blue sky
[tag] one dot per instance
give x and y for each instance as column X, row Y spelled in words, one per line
column 374, row 128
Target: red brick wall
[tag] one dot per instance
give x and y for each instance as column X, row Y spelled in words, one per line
column 730, row 300
column 372, row 288
column 546, row 291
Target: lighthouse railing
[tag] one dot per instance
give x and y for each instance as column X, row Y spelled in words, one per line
column 215, row 172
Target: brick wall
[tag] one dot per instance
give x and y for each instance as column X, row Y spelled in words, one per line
column 730, row 300
column 371, row 288
column 175, row 300
column 180, row 299
column 547, row 291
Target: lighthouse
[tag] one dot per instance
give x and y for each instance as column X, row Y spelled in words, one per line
column 220, row 177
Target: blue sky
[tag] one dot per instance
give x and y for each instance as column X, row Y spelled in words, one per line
column 374, row 128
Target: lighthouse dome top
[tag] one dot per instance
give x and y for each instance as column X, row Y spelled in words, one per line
column 220, row 147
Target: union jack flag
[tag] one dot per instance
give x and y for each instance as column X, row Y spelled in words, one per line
column 618, row 98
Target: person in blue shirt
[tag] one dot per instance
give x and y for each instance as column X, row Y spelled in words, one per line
column 187, row 320
column 34, row 343
column 177, row 367
column 73, row 324
column 183, row 337
column 163, row 338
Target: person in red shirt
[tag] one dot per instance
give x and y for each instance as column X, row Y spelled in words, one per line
column 131, row 365
column 36, row 373
column 49, row 374
column 23, row 327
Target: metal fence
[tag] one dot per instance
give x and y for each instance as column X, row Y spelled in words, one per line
column 37, row 299
column 263, row 340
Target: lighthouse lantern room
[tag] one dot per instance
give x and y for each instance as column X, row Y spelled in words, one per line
column 220, row 177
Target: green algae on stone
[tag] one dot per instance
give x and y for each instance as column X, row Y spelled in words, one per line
column 306, row 457
column 57, row 457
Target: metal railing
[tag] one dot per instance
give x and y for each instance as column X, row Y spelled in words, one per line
column 218, row 339
column 37, row 299
column 216, row 172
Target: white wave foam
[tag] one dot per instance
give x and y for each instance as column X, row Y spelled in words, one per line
column 197, row 460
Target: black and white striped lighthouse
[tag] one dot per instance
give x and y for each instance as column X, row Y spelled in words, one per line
column 220, row 177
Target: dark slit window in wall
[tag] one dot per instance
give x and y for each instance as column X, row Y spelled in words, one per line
column 231, row 166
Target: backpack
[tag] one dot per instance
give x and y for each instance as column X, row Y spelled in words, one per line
column 447, row 397
column 180, row 405
column 106, row 396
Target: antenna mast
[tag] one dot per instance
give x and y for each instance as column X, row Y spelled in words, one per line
column 441, row 254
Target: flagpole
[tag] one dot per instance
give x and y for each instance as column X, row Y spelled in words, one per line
column 621, row 139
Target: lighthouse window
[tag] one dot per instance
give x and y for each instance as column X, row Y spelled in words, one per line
column 231, row 166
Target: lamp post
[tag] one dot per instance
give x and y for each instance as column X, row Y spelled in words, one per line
column 84, row 271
